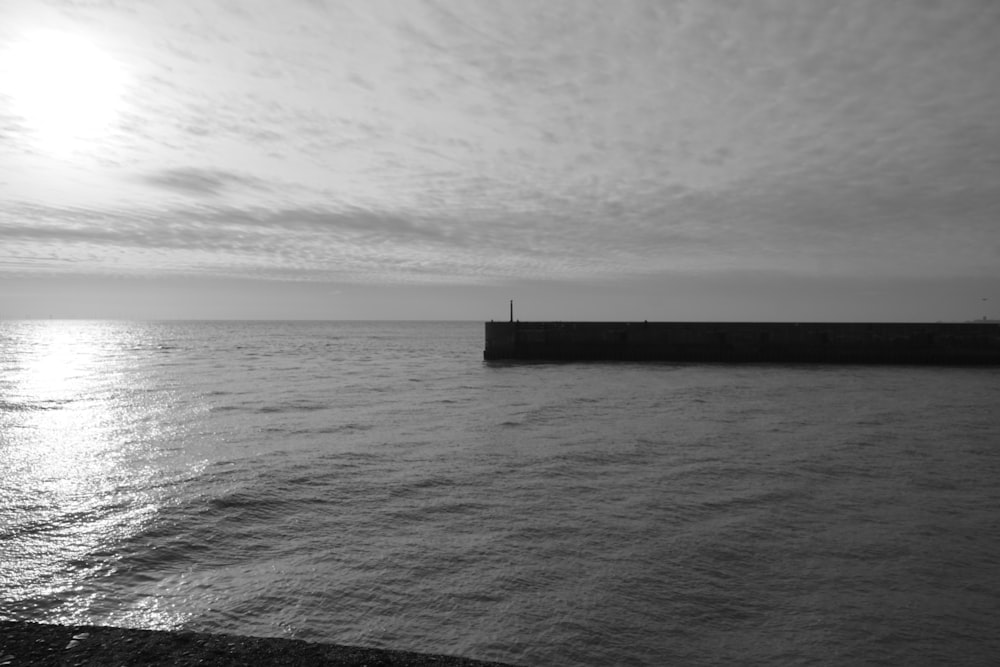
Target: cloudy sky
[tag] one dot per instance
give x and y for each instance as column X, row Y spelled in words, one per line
column 648, row 159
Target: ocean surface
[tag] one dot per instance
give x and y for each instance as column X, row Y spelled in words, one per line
column 378, row 484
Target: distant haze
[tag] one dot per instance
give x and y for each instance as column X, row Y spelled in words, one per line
column 701, row 160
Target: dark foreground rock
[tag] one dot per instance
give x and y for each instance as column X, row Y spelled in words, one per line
column 39, row 644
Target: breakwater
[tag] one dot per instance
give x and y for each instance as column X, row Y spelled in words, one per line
column 830, row 342
column 25, row 643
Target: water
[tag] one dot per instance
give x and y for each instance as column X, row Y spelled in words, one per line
column 378, row 484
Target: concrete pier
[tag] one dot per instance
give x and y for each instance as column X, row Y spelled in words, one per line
column 40, row 644
column 973, row 343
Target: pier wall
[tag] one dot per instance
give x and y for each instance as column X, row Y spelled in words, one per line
column 837, row 342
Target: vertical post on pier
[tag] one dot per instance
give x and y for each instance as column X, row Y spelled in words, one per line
column 512, row 311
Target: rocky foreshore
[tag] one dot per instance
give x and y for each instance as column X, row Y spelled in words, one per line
column 42, row 644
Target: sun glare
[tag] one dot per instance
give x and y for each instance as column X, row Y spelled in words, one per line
column 65, row 91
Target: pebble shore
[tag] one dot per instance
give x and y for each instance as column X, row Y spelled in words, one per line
column 41, row 644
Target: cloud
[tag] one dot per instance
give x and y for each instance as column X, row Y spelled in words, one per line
column 561, row 140
column 201, row 182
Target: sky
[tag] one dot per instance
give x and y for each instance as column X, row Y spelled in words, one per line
column 792, row 160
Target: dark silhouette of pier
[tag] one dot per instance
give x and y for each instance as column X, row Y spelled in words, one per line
column 824, row 342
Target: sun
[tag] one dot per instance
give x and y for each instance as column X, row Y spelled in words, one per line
column 65, row 91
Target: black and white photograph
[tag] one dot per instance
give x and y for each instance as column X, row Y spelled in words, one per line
column 523, row 333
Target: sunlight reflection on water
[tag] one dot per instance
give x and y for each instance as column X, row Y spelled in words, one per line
column 75, row 477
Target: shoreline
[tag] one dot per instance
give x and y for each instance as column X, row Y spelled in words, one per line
column 27, row 643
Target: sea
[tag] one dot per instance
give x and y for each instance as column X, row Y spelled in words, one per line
column 378, row 484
